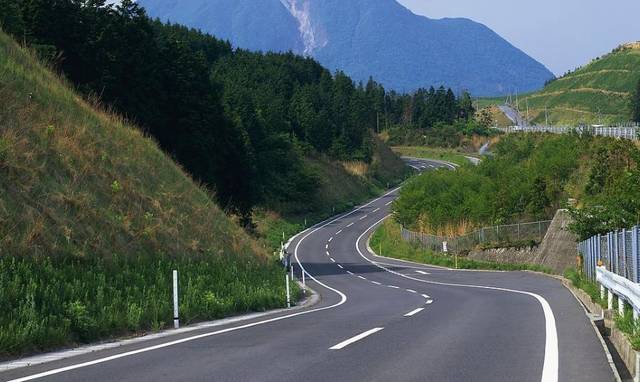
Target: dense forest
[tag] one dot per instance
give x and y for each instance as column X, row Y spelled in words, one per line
column 528, row 178
column 238, row 121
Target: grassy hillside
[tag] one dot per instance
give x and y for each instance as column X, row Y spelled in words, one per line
column 342, row 185
column 93, row 217
column 600, row 91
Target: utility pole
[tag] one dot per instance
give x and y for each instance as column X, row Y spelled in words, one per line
column 546, row 116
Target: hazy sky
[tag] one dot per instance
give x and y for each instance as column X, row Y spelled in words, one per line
column 562, row 34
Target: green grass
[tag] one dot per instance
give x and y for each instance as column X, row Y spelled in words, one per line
column 93, row 216
column 339, row 192
column 386, row 241
column 449, row 155
column 588, row 286
column 51, row 302
column 597, row 92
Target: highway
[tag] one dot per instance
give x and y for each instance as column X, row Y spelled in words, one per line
column 377, row 320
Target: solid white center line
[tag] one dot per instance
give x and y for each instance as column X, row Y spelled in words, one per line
column 411, row 291
column 357, row 338
column 349, row 225
column 422, row 272
column 414, row 312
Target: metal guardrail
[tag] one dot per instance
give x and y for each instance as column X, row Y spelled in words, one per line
column 612, row 260
column 619, row 286
column 631, row 131
column 496, row 234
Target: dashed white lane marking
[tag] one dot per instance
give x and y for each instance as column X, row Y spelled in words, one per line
column 388, row 204
column 332, row 259
column 393, row 286
column 331, row 238
column 411, row 291
column 357, row 338
column 429, row 302
column 377, row 283
column 551, row 357
column 416, row 311
column 422, row 272
column 349, row 225
column 339, row 232
column 426, row 296
column 340, row 266
column 349, row 272
column 364, row 217
column 360, row 277
column 376, row 210
column 328, row 254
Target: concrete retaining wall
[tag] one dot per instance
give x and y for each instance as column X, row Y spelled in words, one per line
column 557, row 251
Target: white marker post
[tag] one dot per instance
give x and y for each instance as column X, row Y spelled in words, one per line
column 286, row 279
column 304, row 283
column 176, row 320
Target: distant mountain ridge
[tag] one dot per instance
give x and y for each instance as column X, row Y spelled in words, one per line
column 378, row 38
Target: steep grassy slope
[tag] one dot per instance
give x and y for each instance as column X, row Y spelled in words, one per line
column 342, row 185
column 93, row 217
column 598, row 92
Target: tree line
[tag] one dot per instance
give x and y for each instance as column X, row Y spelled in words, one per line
column 238, row 121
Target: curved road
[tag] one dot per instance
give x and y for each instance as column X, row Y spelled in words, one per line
column 378, row 320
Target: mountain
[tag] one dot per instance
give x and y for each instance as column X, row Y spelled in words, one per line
column 599, row 92
column 378, row 38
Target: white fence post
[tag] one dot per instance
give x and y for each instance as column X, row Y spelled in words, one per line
column 176, row 316
column 609, row 300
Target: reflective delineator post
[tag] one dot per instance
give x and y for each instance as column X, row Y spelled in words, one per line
column 286, row 280
column 176, row 320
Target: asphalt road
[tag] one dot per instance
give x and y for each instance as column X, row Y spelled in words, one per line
column 377, row 320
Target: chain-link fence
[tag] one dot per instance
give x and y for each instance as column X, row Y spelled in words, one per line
column 501, row 234
column 629, row 131
column 617, row 251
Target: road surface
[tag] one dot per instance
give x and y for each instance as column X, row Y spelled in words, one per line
column 377, row 320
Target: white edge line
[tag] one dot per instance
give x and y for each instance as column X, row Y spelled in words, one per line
column 550, row 366
column 308, row 231
column 357, row 338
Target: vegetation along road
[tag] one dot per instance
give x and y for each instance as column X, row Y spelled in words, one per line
column 377, row 319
